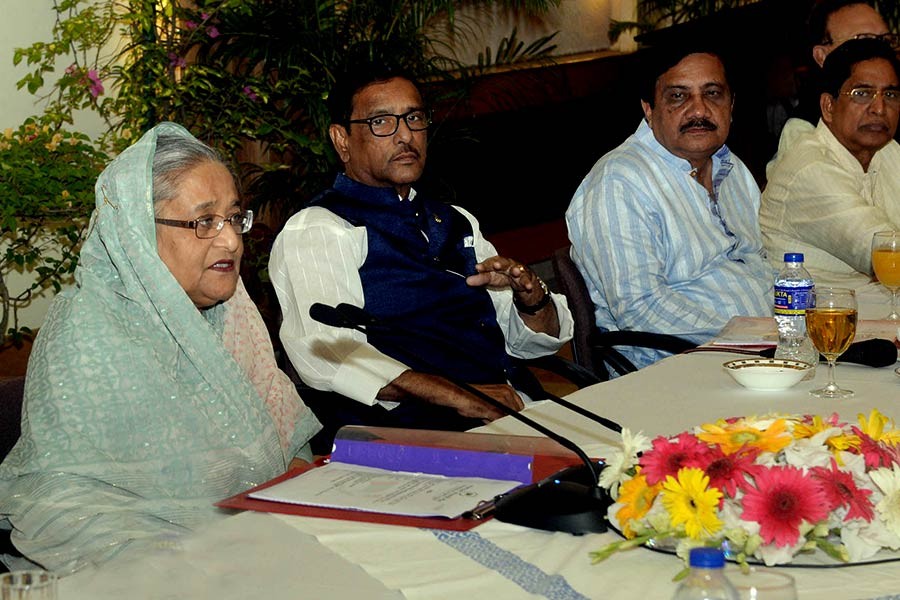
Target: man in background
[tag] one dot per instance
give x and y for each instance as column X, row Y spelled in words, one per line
column 376, row 240
column 832, row 187
column 664, row 228
column 831, row 23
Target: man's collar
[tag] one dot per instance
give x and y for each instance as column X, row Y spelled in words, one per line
column 721, row 158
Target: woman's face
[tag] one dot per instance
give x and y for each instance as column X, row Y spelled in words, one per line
column 207, row 269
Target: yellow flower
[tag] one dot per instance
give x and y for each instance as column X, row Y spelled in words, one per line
column 65, row 194
column 731, row 437
column 874, row 427
column 837, row 443
column 636, row 498
column 8, row 133
column 692, row 503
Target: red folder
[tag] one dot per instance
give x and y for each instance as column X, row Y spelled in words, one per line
column 547, row 458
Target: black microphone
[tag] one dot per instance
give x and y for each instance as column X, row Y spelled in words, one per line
column 356, row 314
column 875, row 352
column 561, row 502
column 328, row 315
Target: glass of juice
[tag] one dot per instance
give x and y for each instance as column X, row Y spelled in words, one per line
column 886, row 264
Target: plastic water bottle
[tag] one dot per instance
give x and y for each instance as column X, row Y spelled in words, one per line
column 707, row 580
column 793, row 286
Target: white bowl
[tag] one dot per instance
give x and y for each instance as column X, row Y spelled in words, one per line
column 767, row 374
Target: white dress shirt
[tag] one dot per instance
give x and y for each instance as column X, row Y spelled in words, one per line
column 316, row 258
column 819, row 201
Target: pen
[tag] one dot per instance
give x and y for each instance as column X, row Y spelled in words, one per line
column 484, row 509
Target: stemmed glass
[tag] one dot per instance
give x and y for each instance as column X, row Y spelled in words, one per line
column 758, row 583
column 886, row 263
column 831, row 325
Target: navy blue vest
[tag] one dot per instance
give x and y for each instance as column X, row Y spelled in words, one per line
column 420, row 285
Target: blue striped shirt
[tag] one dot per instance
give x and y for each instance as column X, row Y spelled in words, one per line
column 659, row 253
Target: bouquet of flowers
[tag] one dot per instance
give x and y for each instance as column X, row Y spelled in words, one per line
column 768, row 487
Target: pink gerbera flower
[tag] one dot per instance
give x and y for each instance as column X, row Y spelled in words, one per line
column 781, row 500
column 669, row 455
column 875, row 453
column 841, row 490
column 726, row 471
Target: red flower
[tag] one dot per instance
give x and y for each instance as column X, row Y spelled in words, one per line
column 669, row 455
column 875, row 453
column 726, row 471
column 783, row 497
column 841, row 490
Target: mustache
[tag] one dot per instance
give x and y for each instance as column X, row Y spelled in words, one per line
column 699, row 124
column 406, row 149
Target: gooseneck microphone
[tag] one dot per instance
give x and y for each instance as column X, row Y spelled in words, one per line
column 570, row 501
column 348, row 313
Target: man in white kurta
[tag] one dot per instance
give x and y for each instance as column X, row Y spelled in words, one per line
column 830, row 188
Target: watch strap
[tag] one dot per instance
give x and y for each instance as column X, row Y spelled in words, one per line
column 533, row 309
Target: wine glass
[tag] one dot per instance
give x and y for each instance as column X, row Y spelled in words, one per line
column 831, row 325
column 886, row 263
column 757, row 583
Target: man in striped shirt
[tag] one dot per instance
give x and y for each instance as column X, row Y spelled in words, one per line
column 664, row 228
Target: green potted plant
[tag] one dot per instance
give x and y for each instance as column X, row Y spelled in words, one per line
column 47, row 176
column 248, row 76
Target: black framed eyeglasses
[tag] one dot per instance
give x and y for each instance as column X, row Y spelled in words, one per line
column 867, row 95
column 892, row 39
column 211, row 226
column 387, row 125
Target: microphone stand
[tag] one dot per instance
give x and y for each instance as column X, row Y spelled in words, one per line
column 561, row 502
column 355, row 314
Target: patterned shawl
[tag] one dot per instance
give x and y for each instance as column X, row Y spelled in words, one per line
column 140, row 410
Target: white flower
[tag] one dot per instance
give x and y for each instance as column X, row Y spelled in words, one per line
column 863, row 540
column 888, row 508
column 811, row 452
column 621, row 461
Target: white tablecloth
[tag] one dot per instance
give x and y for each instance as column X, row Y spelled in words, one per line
column 282, row 556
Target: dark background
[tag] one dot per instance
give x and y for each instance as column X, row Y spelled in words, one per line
column 514, row 153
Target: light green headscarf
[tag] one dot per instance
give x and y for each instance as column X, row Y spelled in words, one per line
column 140, row 412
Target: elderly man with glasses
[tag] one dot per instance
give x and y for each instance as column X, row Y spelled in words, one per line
column 831, row 188
column 829, row 24
column 447, row 304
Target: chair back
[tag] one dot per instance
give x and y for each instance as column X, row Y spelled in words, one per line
column 12, row 391
column 592, row 348
column 571, row 284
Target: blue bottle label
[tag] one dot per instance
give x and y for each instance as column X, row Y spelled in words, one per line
column 792, row 300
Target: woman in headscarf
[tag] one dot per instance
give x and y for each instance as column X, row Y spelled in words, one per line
column 152, row 390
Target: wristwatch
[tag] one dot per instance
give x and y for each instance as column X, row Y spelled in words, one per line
column 534, row 308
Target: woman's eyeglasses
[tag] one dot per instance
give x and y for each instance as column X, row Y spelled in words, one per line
column 211, row 226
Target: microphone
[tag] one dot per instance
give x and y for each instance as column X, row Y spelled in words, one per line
column 875, row 352
column 329, row 315
column 355, row 314
column 570, row 501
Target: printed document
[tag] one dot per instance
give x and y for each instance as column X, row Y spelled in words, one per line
column 354, row 487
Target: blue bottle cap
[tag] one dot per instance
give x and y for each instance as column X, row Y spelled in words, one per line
column 707, row 558
column 793, row 257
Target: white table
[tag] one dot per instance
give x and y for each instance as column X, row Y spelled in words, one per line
column 278, row 556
